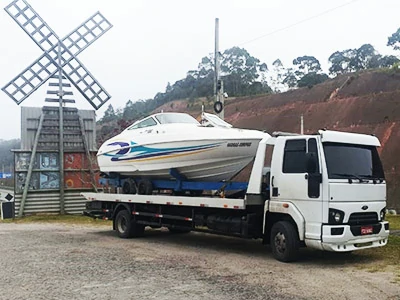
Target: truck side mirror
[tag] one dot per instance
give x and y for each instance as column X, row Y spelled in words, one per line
column 311, row 162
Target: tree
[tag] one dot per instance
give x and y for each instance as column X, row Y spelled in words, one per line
column 168, row 88
column 394, row 40
column 290, row 78
column 366, row 58
column 109, row 115
column 242, row 73
column 352, row 60
column 6, row 156
column 388, row 61
column 306, row 64
column 312, row 79
column 341, row 61
column 129, row 110
column 277, row 76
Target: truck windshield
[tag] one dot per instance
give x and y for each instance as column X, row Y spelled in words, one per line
column 346, row 161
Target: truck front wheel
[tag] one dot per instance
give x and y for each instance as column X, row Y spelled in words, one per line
column 284, row 241
column 126, row 227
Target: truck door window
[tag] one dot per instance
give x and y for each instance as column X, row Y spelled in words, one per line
column 312, row 148
column 294, row 159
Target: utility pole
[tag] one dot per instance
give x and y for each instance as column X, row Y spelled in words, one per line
column 218, row 84
column 301, row 124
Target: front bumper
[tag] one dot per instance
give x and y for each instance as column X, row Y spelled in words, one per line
column 348, row 242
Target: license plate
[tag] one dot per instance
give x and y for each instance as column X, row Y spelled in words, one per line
column 366, row 230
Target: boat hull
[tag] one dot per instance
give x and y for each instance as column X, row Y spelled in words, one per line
column 201, row 160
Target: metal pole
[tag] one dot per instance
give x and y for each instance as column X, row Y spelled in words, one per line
column 218, row 91
column 216, row 60
column 61, row 133
column 30, row 168
column 302, row 124
column 88, row 154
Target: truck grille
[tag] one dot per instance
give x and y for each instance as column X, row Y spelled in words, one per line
column 367, row 218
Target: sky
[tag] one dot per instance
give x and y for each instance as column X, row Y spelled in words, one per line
column 156, row 42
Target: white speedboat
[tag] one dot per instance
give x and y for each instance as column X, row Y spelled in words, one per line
column 155, row 145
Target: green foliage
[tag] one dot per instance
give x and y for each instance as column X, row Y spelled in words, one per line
column 6, row 156
column 394, row 40
column 312, row 79
column 241, row 73
column 353, row 60
column 389, row 61
column 340, row 61
column 290, row 78
column 307, row 64
column 394, row 221
column 303, row 66
column 109, row 115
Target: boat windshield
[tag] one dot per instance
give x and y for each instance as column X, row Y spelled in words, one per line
column 176, row 118
column 214, row 121
column 352, row 161
column 143, row 123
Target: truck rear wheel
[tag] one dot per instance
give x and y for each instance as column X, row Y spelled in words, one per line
column 126, row 227
column 284, row 241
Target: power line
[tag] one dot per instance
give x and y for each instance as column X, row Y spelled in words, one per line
column 299, row 22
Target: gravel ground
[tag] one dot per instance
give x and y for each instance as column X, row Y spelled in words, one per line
column 55, row 261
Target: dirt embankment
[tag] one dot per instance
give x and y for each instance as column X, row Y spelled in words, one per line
column 364, row 103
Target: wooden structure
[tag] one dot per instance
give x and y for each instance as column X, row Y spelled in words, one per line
column 38, row 182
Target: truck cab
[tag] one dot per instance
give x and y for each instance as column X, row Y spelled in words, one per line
column 331, row 187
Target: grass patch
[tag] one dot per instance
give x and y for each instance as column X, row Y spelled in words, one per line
column 394, row 222
column 379, row 259
column 64, row 219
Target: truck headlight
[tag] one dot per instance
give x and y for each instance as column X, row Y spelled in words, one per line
column 335, row 216
column 383, row 214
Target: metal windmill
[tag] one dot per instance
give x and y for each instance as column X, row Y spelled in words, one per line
column 59, row 60
column 58, row 55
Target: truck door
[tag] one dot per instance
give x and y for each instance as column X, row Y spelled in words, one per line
column 296, row 178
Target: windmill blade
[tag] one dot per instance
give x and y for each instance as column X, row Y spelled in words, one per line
column 45, row 67
column 85, row 83
column 31, row 78
column 29, row 20
column 38, row 30
column 85, row 34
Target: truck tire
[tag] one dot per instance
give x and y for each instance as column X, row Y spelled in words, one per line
column 284, row 241
column 145, row 187
column 126, row 227
column 129, row 187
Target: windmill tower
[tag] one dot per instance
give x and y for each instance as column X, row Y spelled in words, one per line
column 58, row 143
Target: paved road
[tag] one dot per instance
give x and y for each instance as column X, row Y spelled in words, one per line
column 55, row 261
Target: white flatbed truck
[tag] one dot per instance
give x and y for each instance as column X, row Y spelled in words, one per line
column 325, row 191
